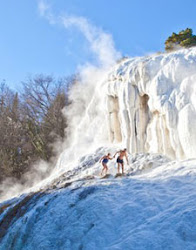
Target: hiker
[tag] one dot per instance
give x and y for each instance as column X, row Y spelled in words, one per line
column 122, row 154
column 105, row 160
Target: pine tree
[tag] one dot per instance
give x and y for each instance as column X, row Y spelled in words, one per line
column 184, row 39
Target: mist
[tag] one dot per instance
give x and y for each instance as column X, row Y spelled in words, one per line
column 80, row 139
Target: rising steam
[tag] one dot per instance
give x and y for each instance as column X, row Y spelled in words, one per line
column 102, row 47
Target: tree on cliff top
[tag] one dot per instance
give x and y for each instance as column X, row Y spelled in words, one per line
column 184, row 39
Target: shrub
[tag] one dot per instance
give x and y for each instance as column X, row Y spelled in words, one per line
column 184, row 39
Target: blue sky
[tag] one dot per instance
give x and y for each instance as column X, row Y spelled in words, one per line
column 30, row 44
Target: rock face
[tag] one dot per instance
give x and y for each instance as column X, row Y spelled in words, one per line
column 147, row 105
column 151, row 104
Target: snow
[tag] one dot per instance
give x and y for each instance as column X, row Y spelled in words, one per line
column 147, row 105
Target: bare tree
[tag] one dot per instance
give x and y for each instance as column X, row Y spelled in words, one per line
column 44, row 98
column 31, row 122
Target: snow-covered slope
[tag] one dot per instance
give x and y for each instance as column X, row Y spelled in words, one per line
column 147, row 105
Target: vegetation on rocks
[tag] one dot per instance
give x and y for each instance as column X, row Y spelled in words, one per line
column 184, row 39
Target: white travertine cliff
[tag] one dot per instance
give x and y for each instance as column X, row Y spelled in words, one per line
column 150, row 104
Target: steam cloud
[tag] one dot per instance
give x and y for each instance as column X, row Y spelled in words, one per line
column 101, row 45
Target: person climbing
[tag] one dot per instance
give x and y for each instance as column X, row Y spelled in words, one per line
column 121, row 155
column 105, row 160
